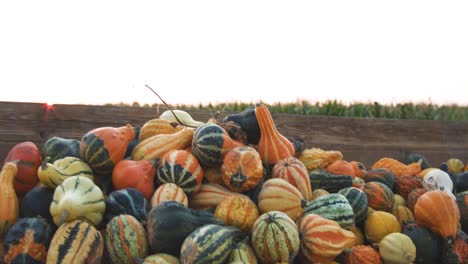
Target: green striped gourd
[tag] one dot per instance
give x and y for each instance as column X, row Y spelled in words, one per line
column 334, row 207
column 358, row 201
column 381, row 175
column 76, row 242
column 53, row 174
column 27, row 241
column 161, row 258
column 182, row 168
column 320, row 179
column 126, row 240
column 103, row 147
column 58, row 148
column 275, row 238
column 127, row 201
column 243, row 253
column 209, row 244
column 77, row 198
column 210, row 143
column 295, row 172
column 379, row 196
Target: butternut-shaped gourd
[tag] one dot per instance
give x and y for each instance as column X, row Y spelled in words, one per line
column 273, row 146
column 158, row 126
column 53, row 174
column 9, row 207
column 77, row 198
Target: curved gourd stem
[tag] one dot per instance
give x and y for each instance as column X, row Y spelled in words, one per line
column 63, row 216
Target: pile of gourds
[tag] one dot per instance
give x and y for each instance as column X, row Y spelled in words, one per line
column 238, row 191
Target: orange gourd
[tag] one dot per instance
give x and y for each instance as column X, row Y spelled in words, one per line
column 137, row 174
column 359, row 169
column 362, row 255
column 242, row 169
column 438, row 211
column 9, row 207
column 237, row 210
column 295, row 172
column 341, row 167
column 272, row 146
column 158, row 126
column 398, row 168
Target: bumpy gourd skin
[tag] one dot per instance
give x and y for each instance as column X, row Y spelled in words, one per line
column 77, row 198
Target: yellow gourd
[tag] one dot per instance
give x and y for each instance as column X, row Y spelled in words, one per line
column 9, row 208
column 53, row 174
column 397, row 248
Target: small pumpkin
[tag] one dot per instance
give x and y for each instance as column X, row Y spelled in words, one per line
column 181, row 168
column 272, row 146
column 137, row 174
column 103, row 147
column 379, row 196
column 242, row 169
column 169, row 192
column 404, row 185
column 53, row 174
column 316, row 158
column 279, row 195
column 340, row 167
column 27, row 241
column 238, row 211
column 295, row 172
column 397, row 248
column 58, row 148
column 271, row 228
column 379, row 224
column 362, row 255
column 76, row 242
column 442, row 219
column 77, row 198
column 28, row 159
column 398, row 168
column 127, row 201
column 322, row 239
column 158, row 126
column 9, row 206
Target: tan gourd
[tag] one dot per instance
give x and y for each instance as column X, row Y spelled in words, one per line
column 9, row 208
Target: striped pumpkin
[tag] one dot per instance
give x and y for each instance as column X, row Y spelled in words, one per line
column 381, row 175
column 243, row 253
column 161, row 258
column 272, row 146
column 279, row 195
column 295, row 172
column 127, row 201
column 209, row 244
column 58, row 148
column 358, row 201
column 238, row 211
column 76, row 242
column 181, row 168
column 53, row 174
column 334, row 207
column 157, row 146
column 210, row 143
column 27, row 241
column 169, row 192
column 103, row 147
column 275, row 238
column 208, row 196
column 403, row 214
column 242, row 169
column 126, row 240
column 322, row 239
column 379, row 196
column 158, row 126
column 77, row 198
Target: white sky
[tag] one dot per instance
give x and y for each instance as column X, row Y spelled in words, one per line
column 223, row 51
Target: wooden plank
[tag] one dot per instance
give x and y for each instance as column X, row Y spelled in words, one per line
column 365, row 140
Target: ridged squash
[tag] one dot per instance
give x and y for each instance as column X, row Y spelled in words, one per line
column 53, row 174
column 397, row 248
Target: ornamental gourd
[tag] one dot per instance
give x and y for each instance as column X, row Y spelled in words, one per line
column 209, row 196
column 127, row 201
column 36, row 202
column 28, row 159
column 341, row 167
column 316, row 158
column 362, row 255
column 397, row 248
column 442, row 219
column 169, row 192
column 243, row 253
column 184, row 117
column 103, row 147
column 77, row 198
column 58, row 148
column 295, row 172
column 242, row 169
column 137, row 174
column 379, row 224
column 158, row 126
column 272, row 146
column 379, row 196
column 9, row 207
column 398, row 168
column 52, row 175
column 322, row 239
column 238, row 211
column 334, row 206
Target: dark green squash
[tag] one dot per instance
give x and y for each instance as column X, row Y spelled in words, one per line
column 36, row 202
column 134, row 142
column 358, row 201
column 428, row 244
column 415, row 157
column 127, row 201
column 247, row 129
column 170, row 223
column 27, row 241
column 210, row 244
column 461, row 182
column 58, row 148
column 462, row 202
column 320, row 179
column 381, row 175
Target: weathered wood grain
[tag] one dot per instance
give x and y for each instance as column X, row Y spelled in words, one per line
column 365, row 140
